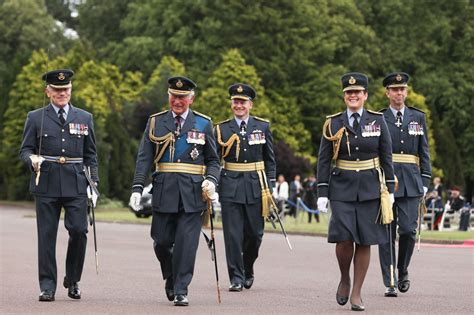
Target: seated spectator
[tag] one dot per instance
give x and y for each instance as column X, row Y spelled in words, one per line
column 457, row 202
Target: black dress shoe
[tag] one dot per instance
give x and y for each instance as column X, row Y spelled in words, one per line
column 341, row 300
column 181, row 300
column 235, row 287
column 391, row 292
column 248, row 282
column 403, row 283
column 169, row 289
column 46, row 296
column 72, row 289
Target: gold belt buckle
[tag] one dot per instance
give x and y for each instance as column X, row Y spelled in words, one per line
column 62, row 160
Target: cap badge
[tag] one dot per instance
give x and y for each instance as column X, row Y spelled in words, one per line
column 240, row 89
column 352, row 80
column 61, row 76
column 398, row 77
column 179, row 84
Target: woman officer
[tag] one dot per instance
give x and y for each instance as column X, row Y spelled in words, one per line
column 358, row 186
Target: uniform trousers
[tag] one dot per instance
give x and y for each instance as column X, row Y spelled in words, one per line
column 175, row 241
column 405, row 215
column 48, row 211
column 243, row 227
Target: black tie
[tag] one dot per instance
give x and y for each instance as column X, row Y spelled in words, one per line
column 399, row 119
column 243, row 128
column 355, row 124
column 178, row 124
column 61, row 116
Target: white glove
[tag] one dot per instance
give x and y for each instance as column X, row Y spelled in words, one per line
column 392, row 199
column 209, row 189
column 323, row 204
column 425, row 190
column 92, row 195
column 36, row 161
column 135, row 199
column 215, row 197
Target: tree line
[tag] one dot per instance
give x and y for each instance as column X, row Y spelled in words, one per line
column 292, row 52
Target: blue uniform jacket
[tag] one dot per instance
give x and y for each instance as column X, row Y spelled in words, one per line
column 60, row 180
column 411, row 177
column 244, row 187
column 167, row 187
column 348, row 185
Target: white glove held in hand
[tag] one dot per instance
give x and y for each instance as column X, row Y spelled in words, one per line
column 36, row 161
column 392, row 198
column 323, row 204
column 209, row 189
column 135, row 199
column 425, row 190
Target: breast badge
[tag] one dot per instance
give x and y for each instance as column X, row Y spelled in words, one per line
column 196, row 137
column 415, row 129
column 78, row 129
column 256, row 137
column 371, row 130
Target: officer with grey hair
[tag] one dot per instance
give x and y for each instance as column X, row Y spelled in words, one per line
column 58, row 142
column 180, row 146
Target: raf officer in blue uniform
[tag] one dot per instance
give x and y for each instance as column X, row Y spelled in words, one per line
column 58, row 141
column 411, row 159
column 245, row 145
column 358, row 181
column 180, row 146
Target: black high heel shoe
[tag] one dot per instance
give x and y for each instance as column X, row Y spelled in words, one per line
column 358, row 308
column 341, row 300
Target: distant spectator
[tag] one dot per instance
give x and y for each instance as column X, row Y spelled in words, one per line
column 280, row 193
column 309, row 198
column 296, row 190
column 435, row 194
column 456, row 202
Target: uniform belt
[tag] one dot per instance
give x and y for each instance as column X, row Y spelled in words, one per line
column 244, row 167
column 358, row 165
column 405, row 158
column 62, row 159
column 187, row 168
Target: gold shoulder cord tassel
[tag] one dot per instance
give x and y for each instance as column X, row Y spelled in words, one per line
column 226, row 146
column 162, row 143
column 335, row 139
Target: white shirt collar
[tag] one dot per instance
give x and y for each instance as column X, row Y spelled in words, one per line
column 183, row 115
column 349, row 113
column 56, row 109
column 395, row 111
column 240, row 120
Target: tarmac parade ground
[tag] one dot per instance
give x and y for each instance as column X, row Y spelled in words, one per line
column 302, row 281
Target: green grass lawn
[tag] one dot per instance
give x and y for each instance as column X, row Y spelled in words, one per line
column 299, row 225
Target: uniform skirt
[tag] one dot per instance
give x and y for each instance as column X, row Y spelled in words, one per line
column 355, row 221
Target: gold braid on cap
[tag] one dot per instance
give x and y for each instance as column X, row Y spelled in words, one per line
column 226, row 146
column 335, row 139
column 162, row 143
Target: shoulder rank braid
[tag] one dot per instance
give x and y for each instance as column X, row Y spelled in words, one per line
column 335, row 139
column 226, row 146
column 162, row 142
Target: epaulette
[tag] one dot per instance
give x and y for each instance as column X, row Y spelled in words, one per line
column 224, row 121
column 334, row 115
column 158, row 114
column 202, row 115
column 261, row 119
column 383, row 110
column 374, row 112
column 419, row 110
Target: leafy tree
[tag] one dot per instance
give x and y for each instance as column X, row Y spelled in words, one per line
column 24, row 27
